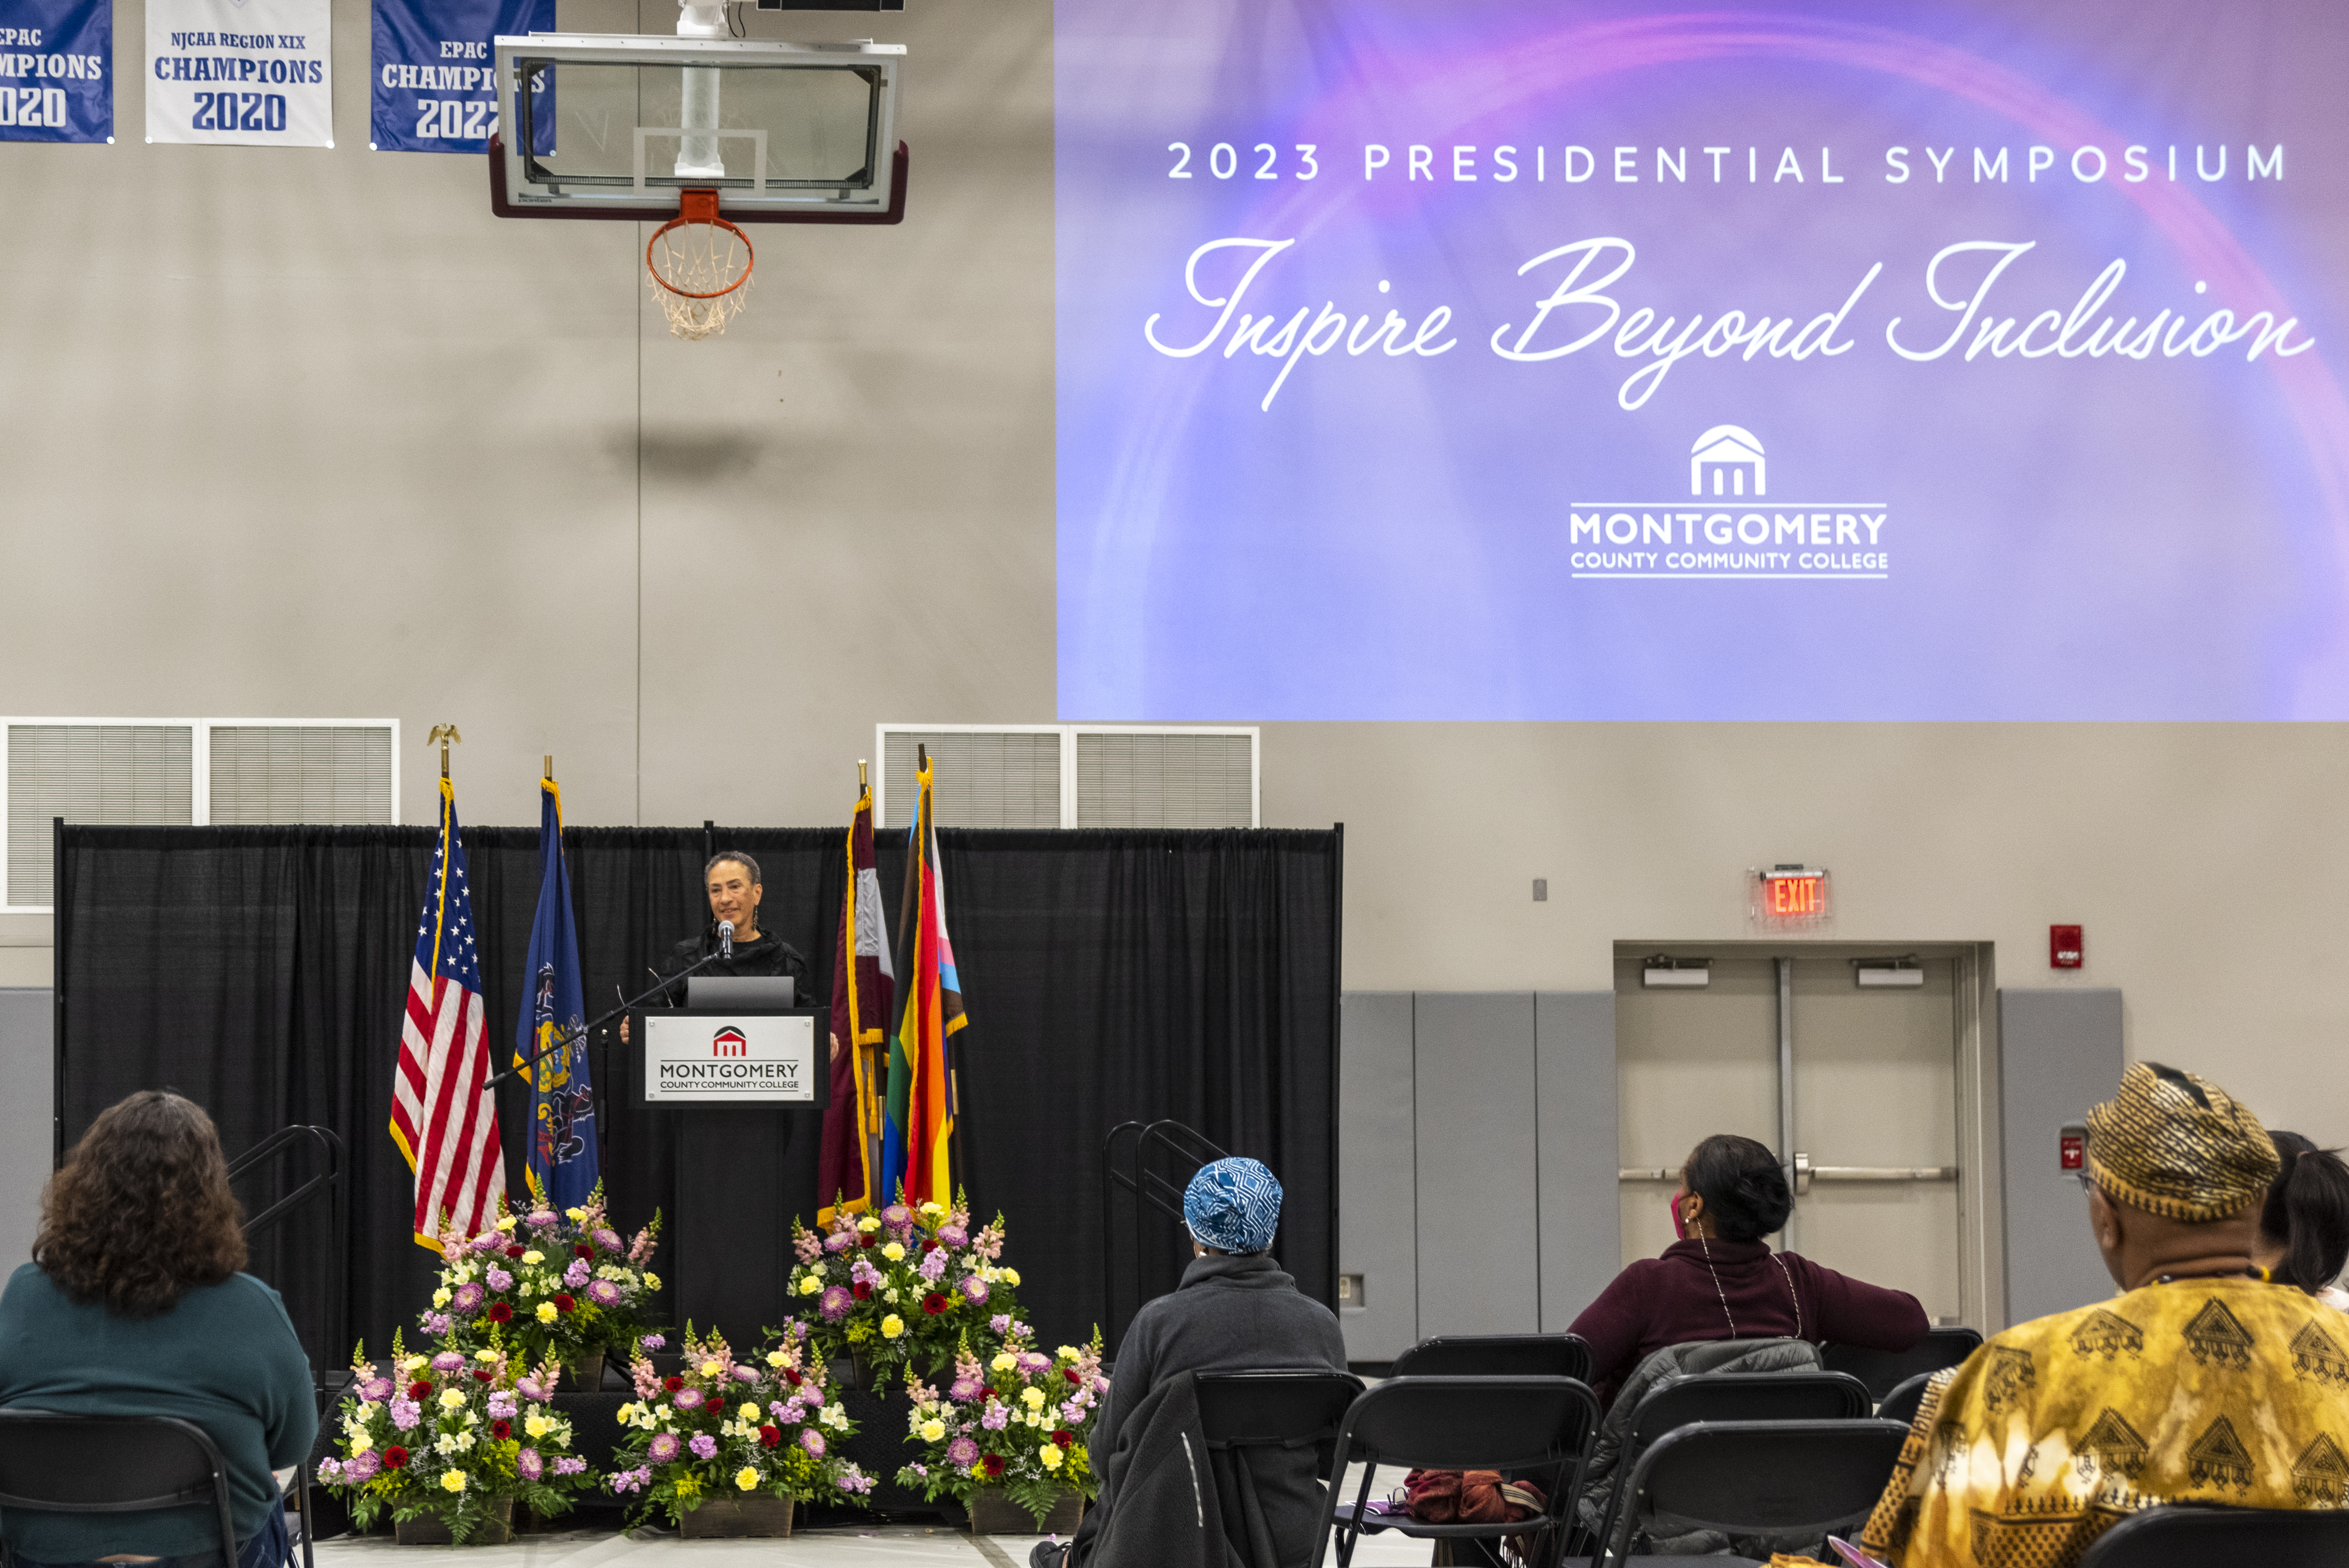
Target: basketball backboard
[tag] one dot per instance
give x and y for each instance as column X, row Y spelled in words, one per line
column 613, row 126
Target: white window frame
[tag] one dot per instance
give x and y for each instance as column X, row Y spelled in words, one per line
column 200, row 766
column 1067, row 734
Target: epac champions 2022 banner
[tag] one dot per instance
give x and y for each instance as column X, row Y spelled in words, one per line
column 432, row 86
column 1509, row 360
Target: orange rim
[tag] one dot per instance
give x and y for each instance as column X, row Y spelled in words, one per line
column 699, row 207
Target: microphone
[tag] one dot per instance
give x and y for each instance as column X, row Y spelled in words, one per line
column 726, row 938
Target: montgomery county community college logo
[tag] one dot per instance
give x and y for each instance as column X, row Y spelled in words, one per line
column 729, row 1042
column 1721, row 531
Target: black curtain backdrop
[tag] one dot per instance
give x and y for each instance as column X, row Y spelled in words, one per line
column 1110, row 976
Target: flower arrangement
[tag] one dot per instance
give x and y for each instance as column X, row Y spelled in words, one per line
column 450, row 1434
column 1012, row 1419
column 561, row 1285
column 724, row 1429
column 897, row 1290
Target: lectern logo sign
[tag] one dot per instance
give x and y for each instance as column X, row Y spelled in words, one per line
column 729, row 1042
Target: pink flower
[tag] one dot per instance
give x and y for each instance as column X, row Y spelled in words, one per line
column 746, row 1375
column 954, row 1235
column 664, row 1448
column 962, row 1451
column 468, row 1297
column 1000, row 1323
column 447, row 1361
column 836, row 1302
column 530, row 1387
column 330, row 1470
column 541, row 1218
column 812, row 1441
column 603, row 1293
column 377, row 1388
column 528, row 1465
column 578, row 1273
column 688, row 1398
column 499, row 1280
column 839, row 1242
column 704, row 1446
column 807, row 1246
column 569, row 1465
column 653, row 1341
column 605, row 1238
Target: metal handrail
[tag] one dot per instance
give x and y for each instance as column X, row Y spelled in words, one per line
column 329, row 1148
column 1148, row 1186
column 330, row 1151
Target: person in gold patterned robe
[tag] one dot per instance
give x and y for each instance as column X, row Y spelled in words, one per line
column 2202, row 1382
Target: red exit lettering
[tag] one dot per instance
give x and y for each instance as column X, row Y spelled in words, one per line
column 1795, row 896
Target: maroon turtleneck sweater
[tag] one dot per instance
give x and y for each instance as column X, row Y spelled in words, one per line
column 1674, row 1299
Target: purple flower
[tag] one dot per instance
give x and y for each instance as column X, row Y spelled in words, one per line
column 965, row 1389
column 631, row 1481
column 974, row 1290
column 812, row 1441
column 688, row 1398
column 502, row 1404
column 604, row 1293
column 541, row 1219
column 897, row 1215
column 746, row 1375
column 360, row 1468
column 468, row 1297
column 330, row 1470
column 576, row 1274
column 962, row 1451
column 839, row 1242
column 954, row 1235
column 569, row 1465
column 863, row 1273
column 651, row 1341
column 1031, row 1364
column 704, row 1446
column 499, row 1280
column 528, row 1465
column 933, row 1265
column 664, row 1448
column 995, row 1417
column 856, row 1480
column 530, row 1388
column 490, row 1241
column 836, row 1302
column 792, row 1411
column 448, row 1361
column 376, row 1388
column 1001, row 1322
column 405, row 1414
column 606, row 1239
column 435, row 1323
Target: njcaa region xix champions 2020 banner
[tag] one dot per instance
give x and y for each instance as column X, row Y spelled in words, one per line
column 1509, row 360
column 253, row 73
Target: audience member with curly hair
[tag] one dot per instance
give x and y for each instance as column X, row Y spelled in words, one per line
column 1722, row 1281
column 133, row 1305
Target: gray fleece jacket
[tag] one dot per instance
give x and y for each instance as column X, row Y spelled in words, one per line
column 1229, row 1314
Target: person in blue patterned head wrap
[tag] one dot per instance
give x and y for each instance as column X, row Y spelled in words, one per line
column 1232, row 1206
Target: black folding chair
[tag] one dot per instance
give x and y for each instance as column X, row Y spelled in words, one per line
column 55, row 1463
column 1280, row 1409
column 1885, row 1370
column 1717, row 1396
column 1511, row 1424
column 1497, row 1355
column 2196, row 1536
column 1901, row 1404
column 1782, row 1478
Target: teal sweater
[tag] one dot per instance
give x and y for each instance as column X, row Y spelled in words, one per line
column 225, row 1358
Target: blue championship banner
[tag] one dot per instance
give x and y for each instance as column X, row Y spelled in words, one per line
column 56, row 71
column 431, row 89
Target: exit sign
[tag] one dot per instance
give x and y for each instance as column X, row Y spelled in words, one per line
column 1791, row 896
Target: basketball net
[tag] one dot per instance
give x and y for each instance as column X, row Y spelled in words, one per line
column 700, row 266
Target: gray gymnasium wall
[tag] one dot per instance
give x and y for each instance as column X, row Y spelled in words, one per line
column 309, row 434
column 26, row 1130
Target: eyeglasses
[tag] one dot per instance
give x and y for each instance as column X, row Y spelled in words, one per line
column 2087, row 1182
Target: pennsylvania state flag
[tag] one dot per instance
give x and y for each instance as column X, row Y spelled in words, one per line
column 562, row 1170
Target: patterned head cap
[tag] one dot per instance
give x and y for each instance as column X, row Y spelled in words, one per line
column 2175, row 1145
column 1232, row 1206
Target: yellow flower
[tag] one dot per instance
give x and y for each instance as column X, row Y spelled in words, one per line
column 688, row 1486
column 627, row 1414
column 932, row 1209
column 440, row 1297
column 452, row 1480
column 933, row 1429
column 711, row 1368
column 749, row 1412
column 533, row 1256
column 1004, row 1361
column 1032, row 1397
column 891, row 1327
column 746, row 1478
column 538, row 1425
column 452, row 1398
column 1049, row 1456
column 1011, row 1277
column 868, row 1224
column 776, row 1358
column 546, row 1312
column 485, row 1356
column 411, row 1364
column 808, row 1287
column 652, row 1281
column 895, row 1251
column 576, row 1216
column 506, row 1224
column 361, row 1442
column 1069, row 1353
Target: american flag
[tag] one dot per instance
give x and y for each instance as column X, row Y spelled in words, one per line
column 441, row 1120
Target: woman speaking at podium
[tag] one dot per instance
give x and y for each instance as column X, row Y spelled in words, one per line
column 731, row 880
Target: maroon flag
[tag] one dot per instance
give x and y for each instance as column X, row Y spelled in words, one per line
column 863, row 990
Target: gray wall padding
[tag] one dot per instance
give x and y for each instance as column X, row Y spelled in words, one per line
column 28, row 1069
column 1378, row 1234
column 2059, row 1053
column 1581, row 1239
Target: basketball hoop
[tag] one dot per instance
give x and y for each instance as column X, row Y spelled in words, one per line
column 700, row 266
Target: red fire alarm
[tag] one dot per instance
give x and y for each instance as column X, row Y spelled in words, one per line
column 2063, row 947
column 2072, row 1148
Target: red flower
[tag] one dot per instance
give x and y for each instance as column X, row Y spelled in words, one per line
column 934, row 1304
column 514, row 1251
column 993, row 1465
column 584, row 1249
column 769, row 1437
column 563, row 1301
column 499, row 1311
column 420, row 1390
column 395, row 1458
column 485, row 1374
column 791, row 1377
column 862, row 1291
column 991, row 1395
column 929, row 1243
column 501, row 1431
column 872, row 1241
column 672, row 1383
column 1064, row 1437
column 1071, row 1374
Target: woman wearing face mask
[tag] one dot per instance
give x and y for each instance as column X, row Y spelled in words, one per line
column 1722, row 1281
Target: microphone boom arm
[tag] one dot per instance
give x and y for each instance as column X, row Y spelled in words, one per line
column 564, row 1042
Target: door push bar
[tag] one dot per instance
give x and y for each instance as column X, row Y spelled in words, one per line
column 1805, row 1173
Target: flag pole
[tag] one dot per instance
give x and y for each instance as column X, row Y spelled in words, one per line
column 867, row 1085
column 445, row 735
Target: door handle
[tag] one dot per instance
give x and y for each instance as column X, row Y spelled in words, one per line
column 1805, row 1172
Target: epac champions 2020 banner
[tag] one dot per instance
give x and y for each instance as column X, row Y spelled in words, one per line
column 1515, row 360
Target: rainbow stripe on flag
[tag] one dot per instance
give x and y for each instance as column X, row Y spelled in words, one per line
column 918, row 1119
